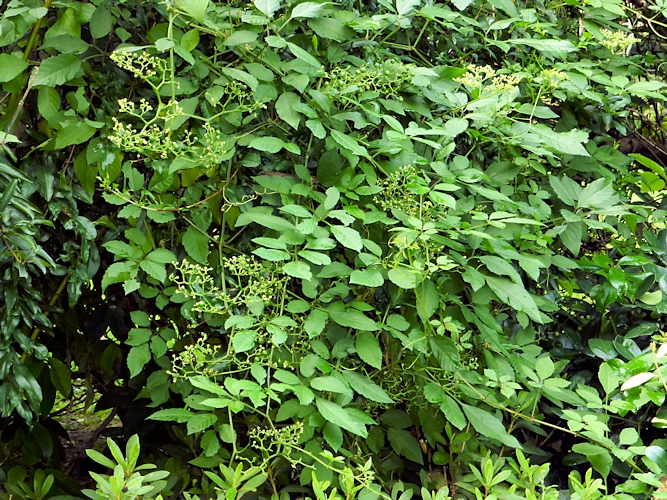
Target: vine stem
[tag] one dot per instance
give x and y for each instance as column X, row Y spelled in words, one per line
column 52, row 302
column 33, row 34
column 20, row 106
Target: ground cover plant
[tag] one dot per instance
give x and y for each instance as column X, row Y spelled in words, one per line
column 334, row 249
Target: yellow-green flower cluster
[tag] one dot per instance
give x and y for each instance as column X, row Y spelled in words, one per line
column 397, row 194
column 476, row 75
column 503, row 83
column 150, row 141
column 264, row 282
column 140, row 64
column 386, row 78
column 616, row 41
column 264, row 438
column 198, row 358
column 552, row 77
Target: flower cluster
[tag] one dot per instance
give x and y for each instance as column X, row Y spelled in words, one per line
column 264, row 439
column 616, row 41
column 263, row 281
column 398, row 195
column 214, row 147
column 476, row 75
column 198, row 358
column 140, row 64
column 552, row 77
column 150, row 141
column 385, row 78
column 503, row 83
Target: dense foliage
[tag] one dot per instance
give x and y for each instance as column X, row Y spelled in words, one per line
column 335, row 249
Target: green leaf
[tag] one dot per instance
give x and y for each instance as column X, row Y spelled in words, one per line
column 57, row 70
column 329, row 384
column 368, row 349
column 308, row 9
column 201, row 422
column 162, row 256
column 304, row 55
column 333, row 435
column 74, row 133
column 241, row 76
column 48, row 102
column 86, row 172
column 267, row 7
column 565, row 142
column 316, row 322
column 337, row 415
column 367, row 277
column 285, row 109
column 403, row 277
column 349, row 143
column 516, row 296
column 405, row 444
column 298, row 269
column 354, row 320
column 101, row 22
column 272, row 255
column 155, row 270
column 267, row 144
column 137, row 359
column 445, row 351
column 264, row 219
column 179, row 415
column 333, row 29
column 557, row 48
column 196, row 245
column 501, row 267
column 194, row 8
column 608, row 378
column 428, row 300
column 488, row 425
column 117, row 273
column 11, row 66
column 317, row 258
column 450, row 408
column 60, row 377
column 366, row 387
column 348, row 237
column 240, row 37
column 244, row 340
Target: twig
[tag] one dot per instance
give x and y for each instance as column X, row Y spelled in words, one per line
column 20, row 106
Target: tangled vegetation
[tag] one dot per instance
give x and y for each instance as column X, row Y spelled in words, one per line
column 334, row 250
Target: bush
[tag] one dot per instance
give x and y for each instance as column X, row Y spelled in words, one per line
column 336, row 249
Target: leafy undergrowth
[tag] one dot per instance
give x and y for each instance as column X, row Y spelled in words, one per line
column 334, row 249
